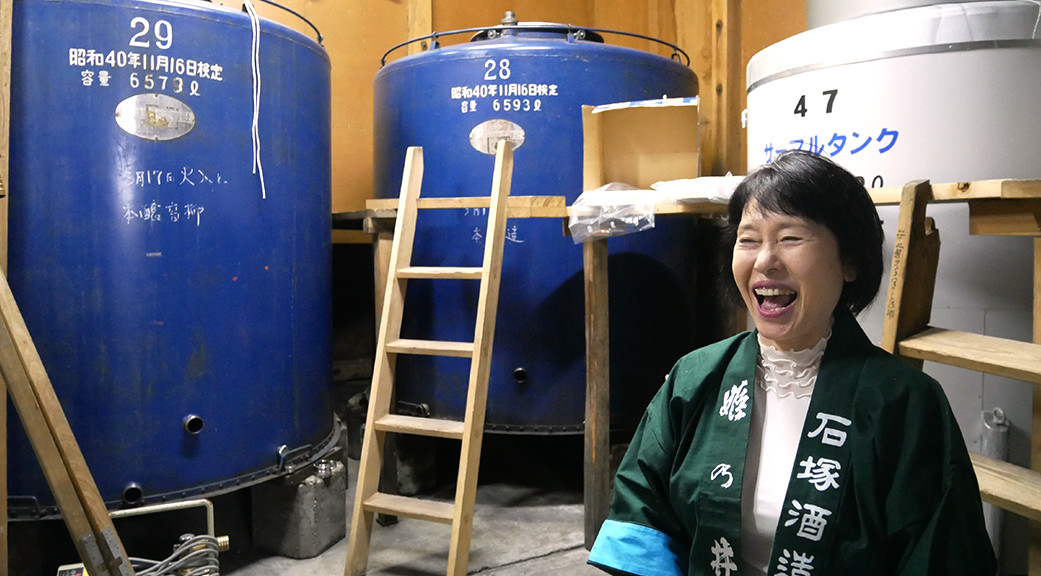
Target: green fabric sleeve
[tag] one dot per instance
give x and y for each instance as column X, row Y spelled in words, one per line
column 934, row 515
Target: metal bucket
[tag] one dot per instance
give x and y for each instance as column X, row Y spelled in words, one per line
column 180, row 308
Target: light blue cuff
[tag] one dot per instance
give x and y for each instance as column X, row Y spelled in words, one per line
column 635, row 549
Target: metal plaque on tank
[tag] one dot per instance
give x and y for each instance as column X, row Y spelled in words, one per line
column 155, row 116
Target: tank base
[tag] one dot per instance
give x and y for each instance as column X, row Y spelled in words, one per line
column 302, row 516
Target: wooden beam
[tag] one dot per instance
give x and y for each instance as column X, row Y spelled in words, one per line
column 597, row 475
column 6, row 23
column 41, row 398
column 6, row 26
column 1034, row 548
column 965, row 191
column 420, row 23
column 1013, row 217
column 729, row 85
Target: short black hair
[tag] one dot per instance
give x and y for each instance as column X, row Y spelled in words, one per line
column 811, row 186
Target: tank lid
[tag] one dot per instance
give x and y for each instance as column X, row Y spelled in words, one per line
column 535, row 30
column 510, row 26
column 944, row 27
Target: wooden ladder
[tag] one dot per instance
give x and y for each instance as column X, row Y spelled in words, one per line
column 380, row 421
column 906, row 332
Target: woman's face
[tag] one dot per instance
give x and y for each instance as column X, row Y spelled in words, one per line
column 790, row 276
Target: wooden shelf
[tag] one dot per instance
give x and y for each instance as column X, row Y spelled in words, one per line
column 1008, row 486
column 999, row 356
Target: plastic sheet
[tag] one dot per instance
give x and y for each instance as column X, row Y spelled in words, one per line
column 707, row 188
column 611, row 210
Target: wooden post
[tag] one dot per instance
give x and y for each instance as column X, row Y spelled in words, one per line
column 6, row 22
column 1034, row 552
column 710, row 32
column 727, row 85
column 597, row 481
column 36, row 400
column 420, row 23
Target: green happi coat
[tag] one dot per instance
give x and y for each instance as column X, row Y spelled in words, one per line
column 882, row 483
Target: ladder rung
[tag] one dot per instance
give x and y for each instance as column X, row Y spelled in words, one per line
column 420, row 426
column 432, row 348
column 435, row 272
column 999, row 356
column 457, row 202
column 417, row 508
column 1008, row 486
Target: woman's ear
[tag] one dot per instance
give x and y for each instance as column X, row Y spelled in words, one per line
column 849, row 272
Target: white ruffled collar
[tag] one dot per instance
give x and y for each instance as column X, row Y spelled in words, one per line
column 789, row 373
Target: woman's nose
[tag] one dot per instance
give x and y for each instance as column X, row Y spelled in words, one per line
column 766, row 258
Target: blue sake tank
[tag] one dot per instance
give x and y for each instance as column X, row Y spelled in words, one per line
column 181, row 310
column 529, row 82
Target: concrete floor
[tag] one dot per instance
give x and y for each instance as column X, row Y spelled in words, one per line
column 521, row 528
column 528, row 521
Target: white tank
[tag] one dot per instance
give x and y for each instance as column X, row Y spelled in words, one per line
column 822, row 12
column 949, row 93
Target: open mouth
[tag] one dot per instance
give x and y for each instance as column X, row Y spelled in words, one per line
column 775, row 299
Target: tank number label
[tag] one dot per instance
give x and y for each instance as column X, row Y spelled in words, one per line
column 99, row 67
column 496, row 92
column 162, row 32
column 831, row 95
column 497, row 70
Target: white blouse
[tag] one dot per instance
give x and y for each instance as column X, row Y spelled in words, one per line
column 784, row 385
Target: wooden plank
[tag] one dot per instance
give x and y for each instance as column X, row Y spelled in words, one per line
column 420, row 23
column 966, row 191
column 48, row 456
column 431, row 348
column 382, row 388
column 481, row 364
column 441, row 272
column 1010, row 217
column 519, row 206
column 916, row 251
column 434, row 427
column 418, row 508
column 3, row 478
column 382, row 248
column 6, row 26
column 597, row 450
column 999, row 356
column 729, row 86
column 1034, row 546
column 592, row 149
column 112, row 550
column 596, row 480
column 1008, row 486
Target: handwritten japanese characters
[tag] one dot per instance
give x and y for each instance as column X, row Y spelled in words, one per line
column 175, row 208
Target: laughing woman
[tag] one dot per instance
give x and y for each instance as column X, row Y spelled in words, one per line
column 798, row 449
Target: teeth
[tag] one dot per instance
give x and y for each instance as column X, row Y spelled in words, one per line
column 773, row 292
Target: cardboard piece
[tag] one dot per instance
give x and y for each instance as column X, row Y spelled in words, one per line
column 640, row 143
